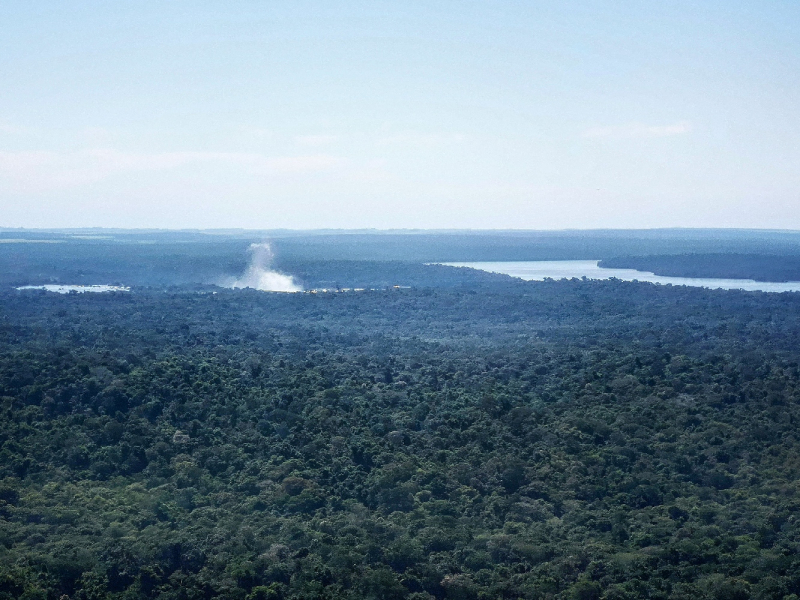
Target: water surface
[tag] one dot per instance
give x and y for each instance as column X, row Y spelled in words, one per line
column 567, row 269
column 66, row 289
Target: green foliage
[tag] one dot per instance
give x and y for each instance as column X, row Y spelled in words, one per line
column 554, row 440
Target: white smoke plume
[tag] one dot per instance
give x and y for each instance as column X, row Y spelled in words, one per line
column 260, row 276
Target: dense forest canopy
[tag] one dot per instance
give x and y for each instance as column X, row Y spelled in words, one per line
column 470, row 436
column 486, row 439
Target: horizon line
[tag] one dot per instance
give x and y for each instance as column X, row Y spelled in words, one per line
column 224, row 230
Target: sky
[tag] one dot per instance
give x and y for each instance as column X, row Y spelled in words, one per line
column 347, row 114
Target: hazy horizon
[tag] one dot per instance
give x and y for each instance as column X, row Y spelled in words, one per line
column 510, row 230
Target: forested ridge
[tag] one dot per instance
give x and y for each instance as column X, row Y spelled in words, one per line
column 569, row 439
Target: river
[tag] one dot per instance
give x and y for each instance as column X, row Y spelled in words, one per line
column 567, row 269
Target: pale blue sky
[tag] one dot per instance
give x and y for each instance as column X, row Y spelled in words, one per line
column 428, row 114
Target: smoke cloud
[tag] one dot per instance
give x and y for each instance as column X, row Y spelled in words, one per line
column 260, row 276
